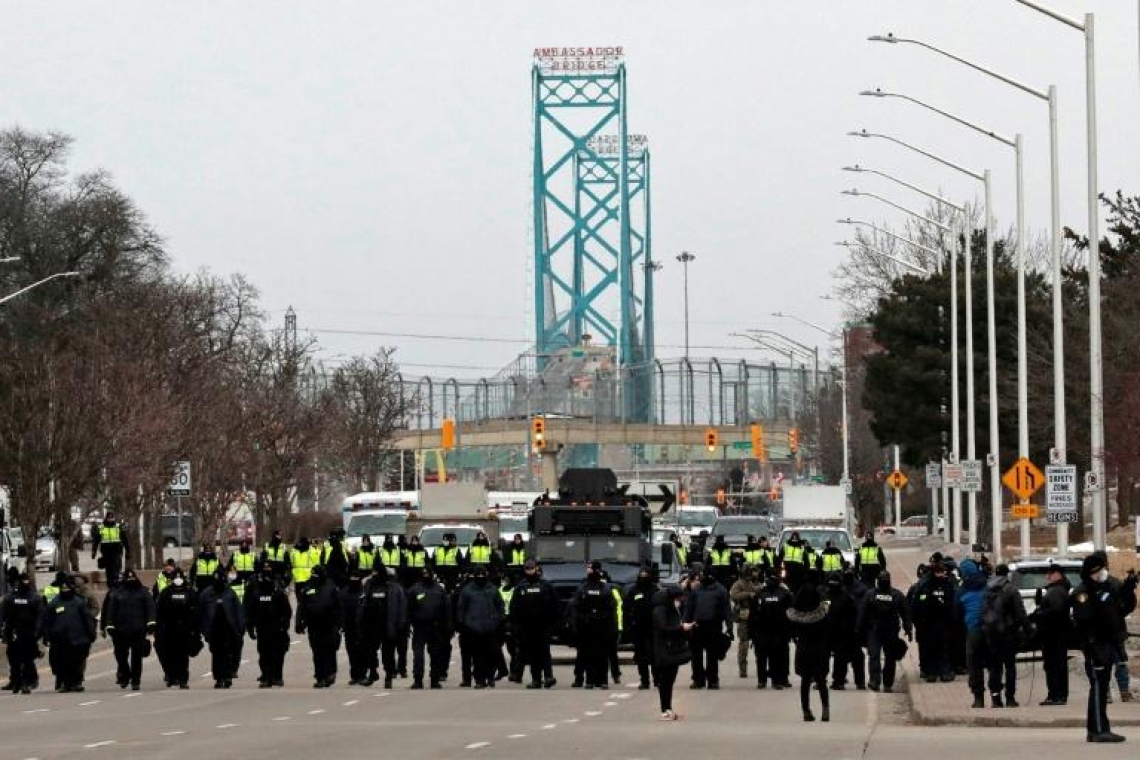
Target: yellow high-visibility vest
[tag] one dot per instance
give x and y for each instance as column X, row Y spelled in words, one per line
column 205, row 567
column 831, row 562
column 110, row 534
column 721, row 557
column 517, row 557
column 365, row 560
column 275, row 554
column 415, row 558
column 479, row 555
column 794, row 554
column 243, row 562
column 447, row 556
column 390, row 557
column 752, row 556
column 868, row 555
column 302, row 565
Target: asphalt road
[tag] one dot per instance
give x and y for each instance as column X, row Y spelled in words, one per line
column 507, row 722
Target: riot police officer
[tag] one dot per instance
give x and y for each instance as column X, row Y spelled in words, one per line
column 176, row 629
column 268, row 614
column 20, row 616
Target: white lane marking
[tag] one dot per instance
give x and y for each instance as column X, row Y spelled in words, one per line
column 37, row 710
column 609, row 704
column 570, row 720
column 173, row 733
column 296, row 641
column 315, row 712
column 516, row 736
column 382, row 694
column 243, row 662
column 549, row 726
column 88, row 704
column 283, row 717
column 227, row 725
column 592, row 713
column 621, row 695
column 96, row 745
column 206, row 675
column 478, row 745
column 351, row 702
column 132, row 694
column 629, row 686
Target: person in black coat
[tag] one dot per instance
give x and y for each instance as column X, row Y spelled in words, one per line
column 936, row 605
column 882, row 616
column 594, row 615
column 637, row 614
column 383, row 616
column 708, row 607
column 429, row 612
column 480, row 615
column 222, row 623
column 176, row 631
column 267, row 617
column 808, row 618
column 533, row 611
column 128, row 615
column 69, row 628
column 1100, row 604
column 21, row 615
column 670, row 645
column 354, row 644
column 1054, row 629
column 319, row 615
column 769, row 630
column 841, row 616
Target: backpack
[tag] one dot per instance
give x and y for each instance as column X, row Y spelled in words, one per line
column 994, row 619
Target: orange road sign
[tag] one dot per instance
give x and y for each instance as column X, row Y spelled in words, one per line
column 1024, row 479
column 897, row 480
column 1025, row 511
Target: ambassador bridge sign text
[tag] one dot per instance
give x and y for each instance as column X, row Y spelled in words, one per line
column 587, row 60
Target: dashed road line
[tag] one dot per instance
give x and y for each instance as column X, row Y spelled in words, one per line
column 609, row 704
column 351, row 702
column 549, row 726
column 88, row 704
column 37, row 710
column 516, row 736
column 227, row 725
column 570, row 720
column 132, row 694
column 173, row 733
column 592, row 713
column 621, row 695
column 478, row 745
column 96, row 745
column 315, row 712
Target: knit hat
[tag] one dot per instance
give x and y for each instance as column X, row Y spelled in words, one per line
column 807, row 599
column 1092, row 564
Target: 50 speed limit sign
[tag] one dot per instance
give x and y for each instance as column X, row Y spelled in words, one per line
column 180, row 480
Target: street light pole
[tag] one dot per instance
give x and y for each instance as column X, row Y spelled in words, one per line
column 972, row 498
column 34, row 285
column 1050, row 97
column 685, row 257
column 1096, row 368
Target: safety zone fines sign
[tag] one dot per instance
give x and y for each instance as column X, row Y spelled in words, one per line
column 1061, row 489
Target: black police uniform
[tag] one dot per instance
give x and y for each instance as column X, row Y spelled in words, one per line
column 595, row 624
column 884, row 613
column 534, row 608
column 268, row 614
column 128, row 615
column 382, row 616
column 20, row 618
column 770, row 632
column 429, row 611
column 319, row 614
column 1099, row 609
column 176, row 631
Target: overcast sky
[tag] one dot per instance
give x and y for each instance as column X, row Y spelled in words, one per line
column 369, row 162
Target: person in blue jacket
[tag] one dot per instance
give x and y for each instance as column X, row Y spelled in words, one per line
column 971, row 599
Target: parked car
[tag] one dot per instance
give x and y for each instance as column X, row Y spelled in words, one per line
column 737, row 529
column 914, row 526
column 47, row 559
column 1029, row 575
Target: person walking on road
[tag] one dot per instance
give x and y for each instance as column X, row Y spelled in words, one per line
column 69, row 629
column 21, row 615
column 971, row 599
column 109, row 540
column 808, row 617
column 638, row 616
column 870, row 560
column 883, row 615
column 769, row 630
column 533, row 610
column 480, row 616
column 319, row 615
column 354, row 642
column 1004, row 623
column 268, row 614
column 276, row 553
column 841, row 619
column 935, row 605
column 1100, row 604
column 593, row 611
column 670, row 645
column 742, row 593
column 176, row 630
column 429, row 612
column 708, row 607
column 222, row 623
column 129, row 617
column 383, row 614
column 1054, row 629
column 204, row 568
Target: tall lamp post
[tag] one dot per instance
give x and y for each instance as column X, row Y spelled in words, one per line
column 1050, row 97
column 995, row 477
column 685, row 257
column 1095, row 481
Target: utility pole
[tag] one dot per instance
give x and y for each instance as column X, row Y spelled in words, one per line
column 685, row 257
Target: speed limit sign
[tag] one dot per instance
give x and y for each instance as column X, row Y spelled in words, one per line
column 180, row 480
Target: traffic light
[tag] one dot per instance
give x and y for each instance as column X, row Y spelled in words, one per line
column 794, row 440
column 759, row 450
column 710, row 439
column 538, row 432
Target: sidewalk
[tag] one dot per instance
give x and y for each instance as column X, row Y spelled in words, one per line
column 948, row 704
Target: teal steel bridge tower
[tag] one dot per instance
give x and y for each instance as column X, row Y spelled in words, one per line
column 593, row 265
